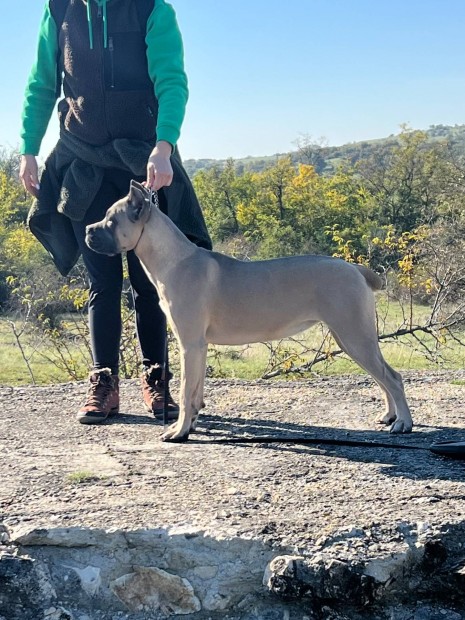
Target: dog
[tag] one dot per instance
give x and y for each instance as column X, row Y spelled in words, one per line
column 212, row 298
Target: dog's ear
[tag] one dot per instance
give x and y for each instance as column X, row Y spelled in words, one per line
column 139, row 201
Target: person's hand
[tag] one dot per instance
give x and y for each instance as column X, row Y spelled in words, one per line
column 159, row 170
column 29, row 174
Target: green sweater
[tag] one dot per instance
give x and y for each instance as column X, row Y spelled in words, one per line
column 165, row 56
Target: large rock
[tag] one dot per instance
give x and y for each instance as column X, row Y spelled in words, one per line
column 25, row 588
column 153, row 589
column 318, row 579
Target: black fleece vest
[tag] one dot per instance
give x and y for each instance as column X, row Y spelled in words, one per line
column 108, row 93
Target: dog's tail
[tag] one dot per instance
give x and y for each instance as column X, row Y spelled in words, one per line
column 373, row 280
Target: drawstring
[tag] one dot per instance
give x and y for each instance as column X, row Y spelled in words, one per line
column 89, row 24
column 100, row 3
column 105, row 30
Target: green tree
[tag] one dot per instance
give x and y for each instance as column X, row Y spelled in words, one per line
column 405, row 182
column 220, row 191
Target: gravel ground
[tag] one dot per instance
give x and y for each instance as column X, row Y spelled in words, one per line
column 56, row 472
column 292, row 493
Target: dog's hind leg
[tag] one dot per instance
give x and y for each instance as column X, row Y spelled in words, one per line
column 193, row 359
column 360, row 341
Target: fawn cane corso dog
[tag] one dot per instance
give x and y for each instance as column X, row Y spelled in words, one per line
column 211, row 298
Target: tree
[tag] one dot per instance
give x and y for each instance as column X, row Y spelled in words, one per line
column 405, row 181
column 220, row 191
column 266, row 219
column 312, row 152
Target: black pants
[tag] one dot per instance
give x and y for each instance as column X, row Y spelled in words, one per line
column 106, row 283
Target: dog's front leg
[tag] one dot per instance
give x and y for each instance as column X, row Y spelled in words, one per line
column 192, row 372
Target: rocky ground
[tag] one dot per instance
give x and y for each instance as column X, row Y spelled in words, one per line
column 256, row 530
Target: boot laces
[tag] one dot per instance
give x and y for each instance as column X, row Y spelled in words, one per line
column 99, row 390
column 156, row 388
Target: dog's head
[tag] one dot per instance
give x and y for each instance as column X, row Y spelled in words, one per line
column 122, row 226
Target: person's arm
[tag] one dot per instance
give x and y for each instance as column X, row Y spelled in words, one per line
column 39, row 100
column 40, row 95
column 165, row 56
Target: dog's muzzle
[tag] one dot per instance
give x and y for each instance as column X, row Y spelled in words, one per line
column 101, row 240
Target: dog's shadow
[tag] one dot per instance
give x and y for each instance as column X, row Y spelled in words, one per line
column 285, row 436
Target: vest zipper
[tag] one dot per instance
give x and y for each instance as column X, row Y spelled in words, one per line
column 101, row 60
column 112, row 61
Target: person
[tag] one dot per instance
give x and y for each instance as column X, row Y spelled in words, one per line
column 120, row 66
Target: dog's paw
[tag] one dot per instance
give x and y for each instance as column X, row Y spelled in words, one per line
column 387, row 419
column 401, row 426
column 180, row 439
column 175, row 434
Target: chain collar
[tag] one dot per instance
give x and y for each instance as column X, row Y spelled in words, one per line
column 153, row 197
column 153, row 202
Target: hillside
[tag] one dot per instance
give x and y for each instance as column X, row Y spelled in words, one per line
column 327, row 158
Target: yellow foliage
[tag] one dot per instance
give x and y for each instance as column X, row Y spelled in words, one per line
column 19, row 242
column 408, row 244
column 78, row 296
column 345, row 249
column 246, row 214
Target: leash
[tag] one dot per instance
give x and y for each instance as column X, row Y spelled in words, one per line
column 153, row 198
column 451, row 449
column 154, row 202
column 166, row 371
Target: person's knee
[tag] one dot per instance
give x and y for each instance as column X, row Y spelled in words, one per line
column 101, row 291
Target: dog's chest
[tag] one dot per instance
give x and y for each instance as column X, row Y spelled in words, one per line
column 164, row 302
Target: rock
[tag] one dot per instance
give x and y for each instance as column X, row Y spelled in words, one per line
column 426, row 613
column 154, row 589
column 90, row 579
column 214, row 601
column 57, row 613
column 423, row 528
column 26, row 588
column 4, row 534
column 384, row 569
column 295, row 577
column 282, row 577
column 67, row 537
column 206, row 572
column 434, row 556
column 330, row 614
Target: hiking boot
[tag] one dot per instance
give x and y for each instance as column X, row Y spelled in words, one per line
column 153, row 389
column 102, row 398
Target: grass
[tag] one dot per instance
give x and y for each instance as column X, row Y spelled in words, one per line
column 13, row 370
column 81, row 477
column 251, row 361
column 44, row 360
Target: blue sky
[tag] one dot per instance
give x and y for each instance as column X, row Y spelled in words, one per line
column 263, row 72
